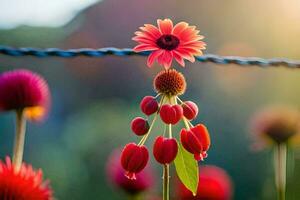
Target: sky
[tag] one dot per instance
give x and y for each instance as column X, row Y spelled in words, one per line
column 48, row 13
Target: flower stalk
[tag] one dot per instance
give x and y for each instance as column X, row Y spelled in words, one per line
column 280, row 160
column 143, row 140
column 134, row 197
column 171, row 110
column 166, row 182
column 166, row 169
column 19, row 139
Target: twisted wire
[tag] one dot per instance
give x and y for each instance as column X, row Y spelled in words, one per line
column 69, row 53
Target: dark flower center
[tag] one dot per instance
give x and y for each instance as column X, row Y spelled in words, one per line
column 168, row 42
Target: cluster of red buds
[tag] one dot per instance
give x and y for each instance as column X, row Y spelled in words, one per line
column 167, row 42
column 169, row 84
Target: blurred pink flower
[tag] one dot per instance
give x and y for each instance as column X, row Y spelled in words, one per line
column 115, row 175
column 24, row 90
column 214, row 184
column 168, row 42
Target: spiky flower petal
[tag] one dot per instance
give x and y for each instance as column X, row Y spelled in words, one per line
column 22, row 184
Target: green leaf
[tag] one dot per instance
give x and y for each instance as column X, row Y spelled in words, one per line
column 187, row 169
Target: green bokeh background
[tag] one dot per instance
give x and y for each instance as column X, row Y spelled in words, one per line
column 94, row 99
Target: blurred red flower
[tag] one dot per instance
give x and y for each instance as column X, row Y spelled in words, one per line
column 167, row 42
column 214, row 184
column 22, row 184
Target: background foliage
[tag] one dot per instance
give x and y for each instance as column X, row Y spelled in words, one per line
column 94, row 99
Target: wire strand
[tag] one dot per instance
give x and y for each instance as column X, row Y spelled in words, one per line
column 212, row 58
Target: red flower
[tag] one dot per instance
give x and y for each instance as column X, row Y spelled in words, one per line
column 134, row 159
column 196, row 141
column 115, row 174
column 139, row 126
column 149, row 105
column 171, row 114
column 167, row 42
column 22, row 184
column 165, row 149
column 23, row 89
column 190, row 110
column 214, row 184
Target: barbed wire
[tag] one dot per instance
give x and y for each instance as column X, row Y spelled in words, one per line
column 217, row 59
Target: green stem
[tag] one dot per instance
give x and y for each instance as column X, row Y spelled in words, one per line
column 280, row 154
column 166, row 182
column 134, row 197
column 186, row 123
column 170, row 130
column 166, row 167
column 143, row 140
column 179, row 100
column 19, row 139
column 165, row 130
column 191, row 125
column 157, row 95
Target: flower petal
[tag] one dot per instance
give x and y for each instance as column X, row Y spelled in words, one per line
column 165, row 26
column 178, row 58
column 194, row 44
column 151, row 30
column 187, row 34
column 186, row 55
column 145, row 47
column 144, row 40
column 178, row 28
column 194, row 39
column 165, row 59
column 169, row 59
column 145, row 35
column 153, row 56
column 190, row 50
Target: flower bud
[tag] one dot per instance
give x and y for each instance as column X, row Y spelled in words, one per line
column 171, row 114
column 190, row 110
column 149, row 105
column 139, row 126
column 134, row 159
column 196, row 141
column 115, row 175
column 165, row 149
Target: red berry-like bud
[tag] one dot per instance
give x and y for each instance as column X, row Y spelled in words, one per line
column 196, row 141
column 149, row 105
column 139, row 126
column 190, row 110
column 134, row 159
column 115, row 175
column 165, row 149
column 171, row 114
